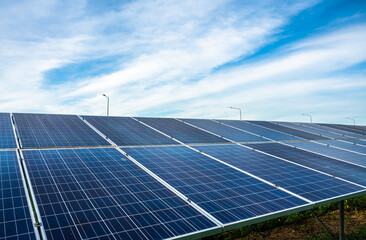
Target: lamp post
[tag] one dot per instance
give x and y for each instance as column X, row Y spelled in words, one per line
column 107, row 103
column 236, row 109
column 311, row 119
column 354, row 121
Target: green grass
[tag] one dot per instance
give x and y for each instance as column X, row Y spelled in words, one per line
column 351, row 205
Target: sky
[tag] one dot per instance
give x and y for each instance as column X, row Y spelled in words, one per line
column 191, row 58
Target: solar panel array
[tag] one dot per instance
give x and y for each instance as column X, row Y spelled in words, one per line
column 93, row 177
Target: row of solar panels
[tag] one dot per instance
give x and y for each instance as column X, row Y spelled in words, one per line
column 154, row 186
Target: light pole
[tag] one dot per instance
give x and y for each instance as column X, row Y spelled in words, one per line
column 354, row 121
column 236, row 109
column 311, row 119
column 107, row 103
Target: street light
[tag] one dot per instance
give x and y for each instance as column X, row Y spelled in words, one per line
column 107, row 103
column 236, row 109
column 311, row 119
column 354, row 121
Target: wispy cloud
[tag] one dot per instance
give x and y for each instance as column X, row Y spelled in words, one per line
column 176, row 58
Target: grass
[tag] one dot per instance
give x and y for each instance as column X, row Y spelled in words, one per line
column 352, row 206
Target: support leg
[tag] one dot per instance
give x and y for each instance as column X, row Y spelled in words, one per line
column 341, row 220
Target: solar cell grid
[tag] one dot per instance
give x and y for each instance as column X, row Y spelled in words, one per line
column 97, row 194
column 225, row 131
column 181, row 131
column 299, row 180
column 352, row 129
column 7, row 139
column 49, row 130
column 344, row 155
column 325, row 128
column 15, row 218
column 328, row 165
column 313, row 130
column 224, row 192
column 347, row 145
column 287, row 130
column 265, row 132
column 125, row 131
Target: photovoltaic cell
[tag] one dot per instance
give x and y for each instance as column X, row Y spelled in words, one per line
column 342, row 132
column 182, row 131
column 98, row 194
column 15, row 219
column 265, row 132
column 309, row 184
column 328, row 165
column 287, row 130
column 49, row 130
column 225, row 131
column 353, row 129
column 125, row 131
column 330, row 151
column 7, row 139
column 313, row 130
column 346, row 145
column 227, row 194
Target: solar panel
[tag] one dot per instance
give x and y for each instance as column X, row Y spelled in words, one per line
column 353, row 129
column 325, row 164
column 7, row 139
column 346, row 145
column 50, row 130
column 307, row 183
column 313, row 130
column 182, row 131
column 333, row 130
column 98, row 194
column 265, row 132
column 287, row 130
column 330, row 151
column 15, row 218
column 227, row 194
column 125, row 131
column 225, row 131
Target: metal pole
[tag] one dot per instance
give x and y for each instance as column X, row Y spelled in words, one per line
column 237, row 109
column 341, row 220
column 107, row 103
column 311, row 119
column 354, row 121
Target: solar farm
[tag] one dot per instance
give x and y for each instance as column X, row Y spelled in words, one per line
column 96, row 177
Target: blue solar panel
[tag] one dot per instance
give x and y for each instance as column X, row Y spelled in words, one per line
column 125, row 131
column 333, row 130
column 352, row 129
column 328, row 165
column 15, row 218
column 7, row 139
column 265, row 132
column 309, row 184
column 98, row 194
column 225, row 131
column 346, row 145
column 227, row 194
column 48, row 130
column 344, row 155
column 182, row 131
column 287, row 130
column 313, row 130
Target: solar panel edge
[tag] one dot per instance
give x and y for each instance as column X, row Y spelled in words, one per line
column 31, row 200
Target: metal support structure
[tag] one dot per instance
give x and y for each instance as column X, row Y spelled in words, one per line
column 341, row 220
column 107, row 103
column 237, row 109
column 323, row 225
column 311, row 119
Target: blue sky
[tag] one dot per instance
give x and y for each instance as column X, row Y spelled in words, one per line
column 274, row 59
